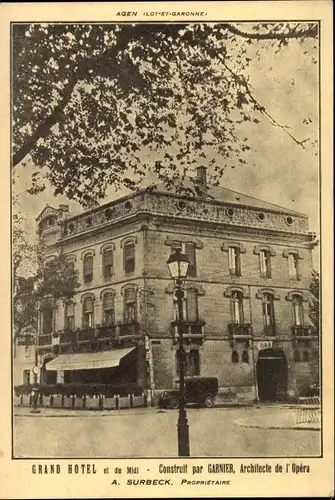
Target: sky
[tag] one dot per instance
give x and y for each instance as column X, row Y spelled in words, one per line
column 277, row 170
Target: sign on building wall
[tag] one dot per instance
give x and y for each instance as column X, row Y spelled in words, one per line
column 264, row 344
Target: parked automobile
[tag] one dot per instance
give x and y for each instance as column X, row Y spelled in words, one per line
column 198, row 390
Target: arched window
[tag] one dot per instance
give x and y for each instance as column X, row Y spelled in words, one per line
column 237, row 307
column 129, row 257
column 88, row 312
column 108, row 309
column 297, row 310
column 107, row 263
column 268, row 310
column 88, row 268
column 69, row 317
column 245, row 357
column 234, row 357
column 130, row 309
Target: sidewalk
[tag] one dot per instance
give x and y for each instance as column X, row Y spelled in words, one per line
column 285, row 419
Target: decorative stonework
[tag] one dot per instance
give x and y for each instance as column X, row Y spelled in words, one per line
column 262, row 291
column 170, row 241
column 235, row 288
column 302, row 293
column 233, row 244
column 259, row 248
column 292, row 251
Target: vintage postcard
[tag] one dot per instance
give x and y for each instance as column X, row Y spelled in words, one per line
column 167, row 256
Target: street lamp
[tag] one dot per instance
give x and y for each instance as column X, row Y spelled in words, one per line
column 36, row 371
column 178, row 265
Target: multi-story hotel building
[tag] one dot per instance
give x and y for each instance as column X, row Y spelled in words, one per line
column 246, row 300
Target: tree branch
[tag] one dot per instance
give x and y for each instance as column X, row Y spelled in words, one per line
column 259, row 107
column 311, row 32
column 43, row 128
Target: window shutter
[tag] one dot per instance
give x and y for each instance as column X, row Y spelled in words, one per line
column 130, row 295
column 88, row 305
column 108, row 257
column 190, row 253
column 129, row 257
column 108, row 301
column 88, row 268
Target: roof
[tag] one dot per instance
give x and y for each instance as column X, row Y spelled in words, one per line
column 224, row 195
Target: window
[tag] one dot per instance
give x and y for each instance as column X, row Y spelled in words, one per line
column 297, row 310
column 237, row 307
column 192, row 305
column 305, row 356
column 69, row 317
column 234, row 357
column 108, row 309
column 47, row 319
column 130, row 314
column 129, row 257
column 268, row 310
column 107, row 263
column 88, row 312
column 265, row 263
column 26, row 376
column 189, row 249
column 245, row 357
column 88, row 268
column 192, row 363
column 234, row 261
column 191, row 254
column 296, row 355
column 293, row 266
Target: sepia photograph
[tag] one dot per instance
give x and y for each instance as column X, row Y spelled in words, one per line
column 166, row 239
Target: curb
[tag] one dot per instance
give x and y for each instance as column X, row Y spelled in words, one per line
column 292, row 428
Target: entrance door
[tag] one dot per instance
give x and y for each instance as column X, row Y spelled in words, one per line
column 272, row 375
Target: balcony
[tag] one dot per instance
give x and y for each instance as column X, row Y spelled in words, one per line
column 192, row 330
column 240, row 331
column 302, row 332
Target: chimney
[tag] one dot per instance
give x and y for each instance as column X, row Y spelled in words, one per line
column 64, row 208
column 202, row 178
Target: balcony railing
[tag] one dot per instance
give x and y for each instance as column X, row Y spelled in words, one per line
column 302, row 331
column 240, row 330
column 129, row 329
column 190, row 329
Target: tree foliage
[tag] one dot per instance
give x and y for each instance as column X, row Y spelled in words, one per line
column 314, row 305
column 53, row 280
column 95, row 105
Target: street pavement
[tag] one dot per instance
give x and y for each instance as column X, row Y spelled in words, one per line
column 263, row 431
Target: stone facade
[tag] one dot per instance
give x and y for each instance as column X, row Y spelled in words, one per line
column 221, row 345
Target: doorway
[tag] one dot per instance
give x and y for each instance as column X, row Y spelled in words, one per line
column 272, row 375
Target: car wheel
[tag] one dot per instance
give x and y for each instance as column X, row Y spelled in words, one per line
column 209, row 401
column 174, row 404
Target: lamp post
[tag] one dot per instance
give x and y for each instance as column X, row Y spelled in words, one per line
column 178, row 266
column 36, row 371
